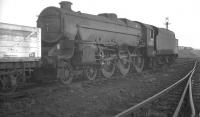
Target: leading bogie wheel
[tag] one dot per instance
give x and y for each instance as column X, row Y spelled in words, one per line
column 90, row 72
column 65, row 73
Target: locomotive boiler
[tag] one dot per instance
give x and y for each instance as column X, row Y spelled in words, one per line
column 77, row 43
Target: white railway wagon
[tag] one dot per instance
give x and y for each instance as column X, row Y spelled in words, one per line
column 19, row 43
column 20, row 54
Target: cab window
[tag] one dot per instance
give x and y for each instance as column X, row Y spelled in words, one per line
column 151, row 33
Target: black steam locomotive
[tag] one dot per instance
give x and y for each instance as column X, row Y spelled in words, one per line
column 77, row 43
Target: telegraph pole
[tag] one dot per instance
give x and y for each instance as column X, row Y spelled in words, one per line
column 167, row 22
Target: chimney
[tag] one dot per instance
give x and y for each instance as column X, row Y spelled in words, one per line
column 65, row 5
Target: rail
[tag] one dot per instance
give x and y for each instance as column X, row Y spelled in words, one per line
column 189, row 88
column 133, row 109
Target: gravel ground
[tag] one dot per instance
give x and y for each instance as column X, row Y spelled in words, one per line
column 101, row 98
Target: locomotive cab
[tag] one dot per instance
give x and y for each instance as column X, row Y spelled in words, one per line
column 151, row 33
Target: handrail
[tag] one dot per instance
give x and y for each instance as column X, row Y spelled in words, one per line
column 130, row 110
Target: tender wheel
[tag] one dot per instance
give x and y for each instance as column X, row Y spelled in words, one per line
column 167, row 63
column 108, row 68
column 139, row 63
column 90, row 72
column 151, row 63
column 167, row 59
column 64, row 73
column 171, row 60
column 124, row 64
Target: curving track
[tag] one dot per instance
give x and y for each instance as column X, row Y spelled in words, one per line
column 180, row 99
column 196, row 91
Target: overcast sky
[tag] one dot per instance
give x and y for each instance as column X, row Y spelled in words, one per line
column 184, row 15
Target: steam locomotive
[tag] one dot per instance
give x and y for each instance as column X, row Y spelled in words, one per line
column 67, row 44
column 77, row 43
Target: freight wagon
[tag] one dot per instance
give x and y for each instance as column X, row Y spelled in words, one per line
column 20, row 54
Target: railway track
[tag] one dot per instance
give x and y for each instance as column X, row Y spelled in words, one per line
column 30, row 88
column 180, row 61
column 181, row 99
column 35, row 91
column 195, row 82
